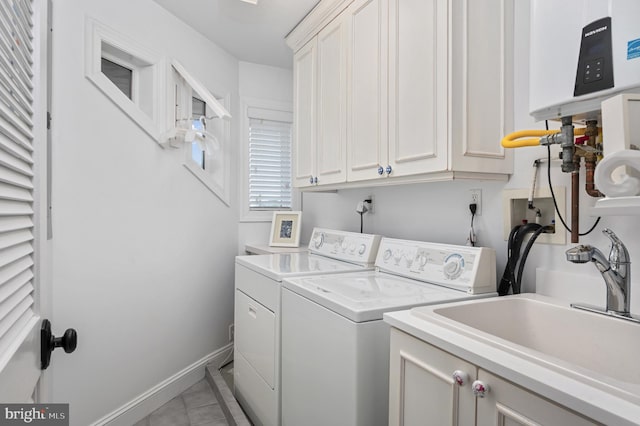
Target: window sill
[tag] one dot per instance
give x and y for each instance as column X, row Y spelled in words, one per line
column 257, row 216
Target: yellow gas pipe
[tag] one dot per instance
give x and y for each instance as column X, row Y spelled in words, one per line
column 514, row 140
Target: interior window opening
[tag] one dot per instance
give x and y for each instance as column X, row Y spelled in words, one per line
column 198, row 123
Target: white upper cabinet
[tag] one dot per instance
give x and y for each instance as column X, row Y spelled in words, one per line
column 481, row 88
column 320, row 105
column 304, row 114
column 367, row 89
column 417, row 86
column 408, row 90
column 331, row 147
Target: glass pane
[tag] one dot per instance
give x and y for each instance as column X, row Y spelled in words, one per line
column 197, row 154
column 121, row 76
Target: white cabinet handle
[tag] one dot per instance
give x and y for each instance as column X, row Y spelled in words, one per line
column 480, row 389
column 460, row 377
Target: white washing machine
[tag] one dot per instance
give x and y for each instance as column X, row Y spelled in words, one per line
column 256, row 370
column 335, row 345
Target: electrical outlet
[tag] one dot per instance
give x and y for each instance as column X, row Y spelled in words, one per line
column 371, row 204
column 476, row 197
column 232, row 330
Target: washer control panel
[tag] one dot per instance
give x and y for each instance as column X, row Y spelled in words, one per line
column 348, row 246
column 470, row 269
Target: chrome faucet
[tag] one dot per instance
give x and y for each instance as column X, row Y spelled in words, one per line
column 616, row 272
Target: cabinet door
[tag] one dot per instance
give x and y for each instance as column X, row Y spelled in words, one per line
column 418, row 107
column 482, row 85
column 509, row 405
column 304, row 110
column 422, row 390
column 367, row 89
column 331, row 146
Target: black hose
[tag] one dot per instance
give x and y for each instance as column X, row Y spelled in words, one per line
column 516, row 238
column 525, row 253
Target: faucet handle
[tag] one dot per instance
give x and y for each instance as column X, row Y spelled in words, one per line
column 618, row 253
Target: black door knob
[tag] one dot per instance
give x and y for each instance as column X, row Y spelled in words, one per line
column 48, row 342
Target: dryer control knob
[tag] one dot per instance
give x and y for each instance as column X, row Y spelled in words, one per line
column 387, row 255
column 453, row 266
column 362, row 249
column 318, row 240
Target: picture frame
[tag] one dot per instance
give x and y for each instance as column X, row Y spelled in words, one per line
column 285, row 229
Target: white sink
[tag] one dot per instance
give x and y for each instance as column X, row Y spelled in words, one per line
column 591, row 346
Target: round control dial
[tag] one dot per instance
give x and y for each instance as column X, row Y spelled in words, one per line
column 387, row 255
column 453, row 266
column 318, row 240
column 362, row 249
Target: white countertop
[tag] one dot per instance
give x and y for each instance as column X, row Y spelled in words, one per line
column 591, row 401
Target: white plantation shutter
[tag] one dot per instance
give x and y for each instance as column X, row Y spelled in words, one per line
column 16, row 175
column 269, row 164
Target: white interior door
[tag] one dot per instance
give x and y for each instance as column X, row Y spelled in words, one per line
column 22, row 127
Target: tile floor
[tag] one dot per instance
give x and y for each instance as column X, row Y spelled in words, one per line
column 197, row 406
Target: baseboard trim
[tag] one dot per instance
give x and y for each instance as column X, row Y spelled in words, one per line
column 147, row 402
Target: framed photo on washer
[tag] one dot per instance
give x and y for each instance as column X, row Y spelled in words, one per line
column 285, row 229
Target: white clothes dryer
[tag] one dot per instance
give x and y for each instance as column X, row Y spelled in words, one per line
column 335, row 344
column 256, row 370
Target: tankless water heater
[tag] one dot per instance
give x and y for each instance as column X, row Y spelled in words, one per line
column 582, row 52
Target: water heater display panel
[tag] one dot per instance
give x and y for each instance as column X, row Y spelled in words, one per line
column 595, row 63
column 572, row 37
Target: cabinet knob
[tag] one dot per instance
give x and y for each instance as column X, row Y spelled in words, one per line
column 380, row 170
column 388, row 170
column 311, row 179
column 480, row 389
column 460, row 377
column 315, row 179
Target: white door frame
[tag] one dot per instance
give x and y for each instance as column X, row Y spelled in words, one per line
column 42, row 244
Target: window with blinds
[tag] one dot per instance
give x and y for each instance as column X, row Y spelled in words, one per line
column 269, row 164
column 17, row 315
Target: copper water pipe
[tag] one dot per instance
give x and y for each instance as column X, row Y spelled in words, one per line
column 575, row 203
column 590, row 158
column 590, row 186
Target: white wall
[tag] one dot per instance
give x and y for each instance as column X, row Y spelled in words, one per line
column 142, row 251
column 269, row 84
column 439, row 211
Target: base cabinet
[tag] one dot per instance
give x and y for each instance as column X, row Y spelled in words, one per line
column 430, row 386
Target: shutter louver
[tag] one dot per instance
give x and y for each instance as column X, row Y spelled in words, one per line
column 269, row 165
column 17, row 315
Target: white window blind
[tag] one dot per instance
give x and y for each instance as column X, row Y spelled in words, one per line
column 16, row 175
column 269, row 164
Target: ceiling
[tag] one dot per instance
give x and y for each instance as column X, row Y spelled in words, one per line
column 251, row 33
